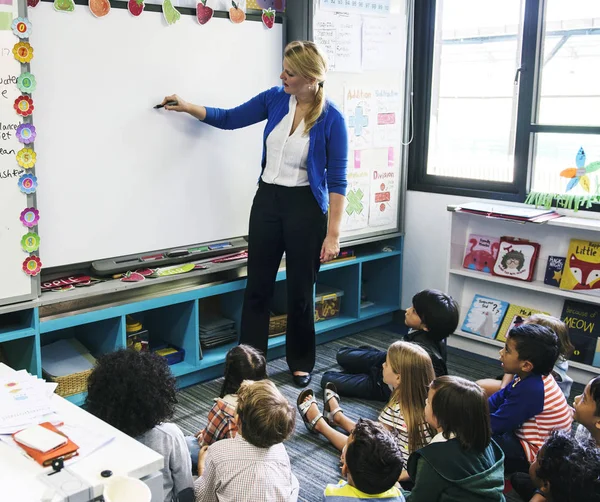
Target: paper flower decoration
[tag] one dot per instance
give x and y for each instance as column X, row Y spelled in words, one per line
column 23, row 105
column 28, row 183
column 23, row 52
column 30, row 217
column 30, row 242
column 21, row 27
column 579, row 174
column 26, row 133
column 26, row 158
column 32, row 265
column 26, row 82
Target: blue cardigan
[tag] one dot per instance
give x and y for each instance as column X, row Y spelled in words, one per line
column 328, row 138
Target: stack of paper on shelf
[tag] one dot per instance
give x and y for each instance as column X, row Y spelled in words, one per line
column 216, row 330
column 25, row 401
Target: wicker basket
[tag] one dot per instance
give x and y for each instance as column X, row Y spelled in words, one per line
column 277, row 325
column 70, row 384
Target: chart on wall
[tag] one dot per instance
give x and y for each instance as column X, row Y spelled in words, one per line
column 365, row 44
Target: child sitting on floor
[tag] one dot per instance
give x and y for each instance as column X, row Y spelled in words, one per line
column 408, row 371
column 432, row 318
column 566, row 470
column 564, row 381
column 587, row 411
column 242, row 362
column 253, row 465
column 461, row 463
column 525, row 412
column 135, row 392
column 371, row 463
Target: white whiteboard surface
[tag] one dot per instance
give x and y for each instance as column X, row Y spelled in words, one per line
column 15, row 285
column 118, row 177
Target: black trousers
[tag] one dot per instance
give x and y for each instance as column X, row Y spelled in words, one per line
column 363, row 374
column 284, row 219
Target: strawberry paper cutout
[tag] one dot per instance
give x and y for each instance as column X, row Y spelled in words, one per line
column 135, row 7
column 268, row 17
column 32, row 3
column 132, row 277
column 236, row 14
column 203, row 13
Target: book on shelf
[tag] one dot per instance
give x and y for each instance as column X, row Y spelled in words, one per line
column 581, row 272
column 516, row 259
column 484, row 316
column 596, row 360
column 481, row 252
column 554, row 270
column 515, row 315
column 583, row 321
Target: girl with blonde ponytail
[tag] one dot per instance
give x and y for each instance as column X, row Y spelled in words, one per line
column 298, row 206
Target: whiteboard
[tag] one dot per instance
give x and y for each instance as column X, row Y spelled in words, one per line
column 118, row 177
column 15, row 285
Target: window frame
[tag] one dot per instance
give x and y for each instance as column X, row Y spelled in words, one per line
column 526, row 127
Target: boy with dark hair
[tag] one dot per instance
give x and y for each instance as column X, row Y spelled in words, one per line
column 525, row 412
column 372, row 463
column 431, row 319
column 253, row 465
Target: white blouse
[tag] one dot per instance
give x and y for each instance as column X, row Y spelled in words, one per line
column 287, row 154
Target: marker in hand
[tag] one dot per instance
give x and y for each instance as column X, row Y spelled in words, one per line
column 168, row 103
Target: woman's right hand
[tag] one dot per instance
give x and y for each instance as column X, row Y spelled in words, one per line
column 181, row 106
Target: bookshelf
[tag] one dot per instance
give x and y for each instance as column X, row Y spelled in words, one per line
column 553, row 236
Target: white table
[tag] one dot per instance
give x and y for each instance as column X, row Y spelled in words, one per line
column 123, row 456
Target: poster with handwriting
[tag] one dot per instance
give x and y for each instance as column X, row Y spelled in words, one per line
column 387, row 130
column 338, row 35
column 356, row 208
column 359, row 108
column 365, row 7
column 382, row 40
column 385, row 183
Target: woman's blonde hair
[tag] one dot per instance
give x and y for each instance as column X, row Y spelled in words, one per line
column 413, row 364
column 305, row 59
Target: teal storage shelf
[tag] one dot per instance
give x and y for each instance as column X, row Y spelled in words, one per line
column 174, row 313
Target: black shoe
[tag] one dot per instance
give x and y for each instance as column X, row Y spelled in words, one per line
column 302, row 380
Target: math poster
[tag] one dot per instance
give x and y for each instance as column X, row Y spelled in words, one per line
column 385, row 183
column 359, row 109
column 356, row 209
column 387, row 129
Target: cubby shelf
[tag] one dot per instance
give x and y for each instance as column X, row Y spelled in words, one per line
column 173, row 313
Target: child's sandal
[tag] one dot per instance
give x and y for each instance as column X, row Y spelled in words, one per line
column 304, row 405
column 330, row 392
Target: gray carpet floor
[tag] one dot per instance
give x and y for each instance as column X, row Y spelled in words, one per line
column 314, row 461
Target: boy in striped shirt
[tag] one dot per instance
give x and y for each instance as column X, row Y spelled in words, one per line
column 526, row 411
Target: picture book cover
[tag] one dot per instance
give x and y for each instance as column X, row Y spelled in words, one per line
column 484, row 316
column 582, row 267
column 596, row 361
column 583, row 322
column 516, row 259
column 515, row 315
column 554, row 270
column 481, row 252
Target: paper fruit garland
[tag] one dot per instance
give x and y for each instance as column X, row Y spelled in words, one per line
column 203, row 13
column 64, row 5
column 268, row 17
column 32, row 265
column 236, row 14
column 26, row 158
column 135, row 7
column 99, row 7
column 171, row 14
column 30, row 242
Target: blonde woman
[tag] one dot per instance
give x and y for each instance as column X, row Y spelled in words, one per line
column 408, row 371
column 298, row 206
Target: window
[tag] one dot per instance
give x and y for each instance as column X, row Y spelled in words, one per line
column 506, row 97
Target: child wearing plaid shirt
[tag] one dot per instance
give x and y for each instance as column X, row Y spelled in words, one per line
column 241, row 363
